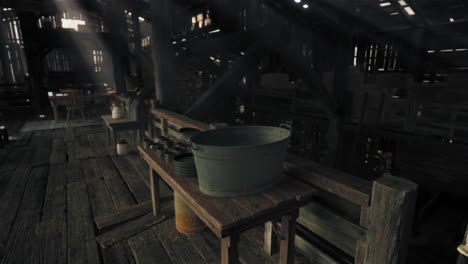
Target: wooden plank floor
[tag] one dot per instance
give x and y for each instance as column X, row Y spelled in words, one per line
column 55, row 185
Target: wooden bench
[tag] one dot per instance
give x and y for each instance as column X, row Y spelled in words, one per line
column 122, row 124
column 368, row 221
column 228, row 217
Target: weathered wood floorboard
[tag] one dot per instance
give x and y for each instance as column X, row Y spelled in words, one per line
column 117, row 187
column 123, row 215
column 81, row 237
column 98, row 148
column 23, row 236
column 100, row 198
column 59, row 153
column 11, row 199
column 129, row 229
column 178, row 247
column 146, row 247
column 119, row 253
column 134, row 182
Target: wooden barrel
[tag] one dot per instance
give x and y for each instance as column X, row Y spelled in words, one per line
column 185, row 219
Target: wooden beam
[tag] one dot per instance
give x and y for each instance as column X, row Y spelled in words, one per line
column 391, row 214
column 335, row 229
column 238, row 69
column 347, row 186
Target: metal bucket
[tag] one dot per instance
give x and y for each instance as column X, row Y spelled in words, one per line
column 236, row 161
column 185, row 219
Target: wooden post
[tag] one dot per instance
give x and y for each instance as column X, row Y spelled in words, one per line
column 229, row 251
column 163, row 53
column 287, row 235
column 155, row 192
column 391, row 216
column 271, row 240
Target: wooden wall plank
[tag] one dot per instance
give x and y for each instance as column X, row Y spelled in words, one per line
column 335, row 229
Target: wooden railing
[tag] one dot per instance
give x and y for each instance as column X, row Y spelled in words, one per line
column 385, row 207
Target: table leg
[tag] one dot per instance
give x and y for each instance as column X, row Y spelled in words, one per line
column 55, row 110
column 271, row 240
column 114, row 135
column 154, row 182
column 287, row 235
column 229, row 251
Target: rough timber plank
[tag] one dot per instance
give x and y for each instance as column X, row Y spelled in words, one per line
column 119, row 253
column 146, row 247
column 69, row 134
column 123, row 215
column 178, row 247
column 22, row 238
column 23, row 139
column 142, row 168
column 207, row 244
column 134, row 182
column 342, row 184
column 51, row 243
column 52, row 231
column 57, row 133
column 131, row 228
column 72, row 150
column 118, row 189
column 313, row 253
column 4, row 180
column 10, row 203
column 12, row 160
column 99, row 150
column 335, row 229
column 100, row 198
column 41, row 148
column 84, row 150
column 59, row 153
column 81, row 245
column 55, row 200
column 111, row 149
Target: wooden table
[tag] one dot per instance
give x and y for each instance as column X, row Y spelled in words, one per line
column 56, row 101
column 121, row 124
column 228, row 217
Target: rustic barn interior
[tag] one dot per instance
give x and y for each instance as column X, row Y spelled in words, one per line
column 247, row 131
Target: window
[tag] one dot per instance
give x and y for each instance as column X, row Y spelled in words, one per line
column 72, row 23
column 57, row 61
column 201, row 20
column 98, row 60
column 15, row 69
column 373, row 56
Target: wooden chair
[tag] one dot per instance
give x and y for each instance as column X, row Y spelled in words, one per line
column 74, row 102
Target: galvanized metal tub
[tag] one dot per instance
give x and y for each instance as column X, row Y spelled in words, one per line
column 237, row 161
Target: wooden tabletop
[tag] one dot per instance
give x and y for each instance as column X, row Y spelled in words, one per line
column 225, row 215
column 120, row 123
